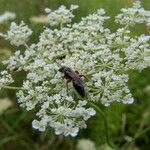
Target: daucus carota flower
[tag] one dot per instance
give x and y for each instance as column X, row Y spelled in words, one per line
column 17, row 34
column 5, row 79
column 131, row 16
column 7, row 16
column 85, row 144
column 104, row 57
column 39, row 19
column 60, row 16
column 63, row 114
column 110, row 87
column 138, row 53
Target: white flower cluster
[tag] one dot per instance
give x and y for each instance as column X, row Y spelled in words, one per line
column 17, row 34
column 5, row 78
column 138, row 53
column 5, row 103
column 131, row 16
column 63, row 114
column 91, row 49
column 60, row 16
column 39, row 19
column 85, row 144
column 110, row 87
column 7, row 16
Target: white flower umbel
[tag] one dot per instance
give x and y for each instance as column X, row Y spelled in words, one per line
column 103, row 57
column 85, row 144
column 5, row 79
column 5, row 103
column 7, row 16
column 60, row 16
column 138, row 53
column 17, row 34
column 63, row 114
column 39, row 19
column 131, row 16
column 110, row 87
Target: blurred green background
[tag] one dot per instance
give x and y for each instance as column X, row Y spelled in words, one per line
column 126, row 122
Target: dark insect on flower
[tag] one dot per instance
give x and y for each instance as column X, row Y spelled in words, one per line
column 76, row 79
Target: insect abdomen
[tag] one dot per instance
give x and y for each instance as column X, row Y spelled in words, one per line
column 79, row 89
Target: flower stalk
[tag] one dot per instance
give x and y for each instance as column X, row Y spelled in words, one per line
column 12, row 87
column 101, row 113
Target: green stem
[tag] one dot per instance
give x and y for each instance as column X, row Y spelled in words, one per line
column 12, row 87
column 61, row 25
column 142, row 132
column 21, row 117
column 26, row 45
column 105, row 124
column 8, row 139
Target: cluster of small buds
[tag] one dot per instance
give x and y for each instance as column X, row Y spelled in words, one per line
column 131, row 16
column 7, row 16
column 5, row 78
column 17, row 34
column 103, row 57
column 60, row 16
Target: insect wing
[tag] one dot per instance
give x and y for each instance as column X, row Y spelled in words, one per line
column 78, row 85
column 77, row 82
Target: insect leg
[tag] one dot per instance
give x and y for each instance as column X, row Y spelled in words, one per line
column 77, row 72
column 81, row 75
column 66, row 82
